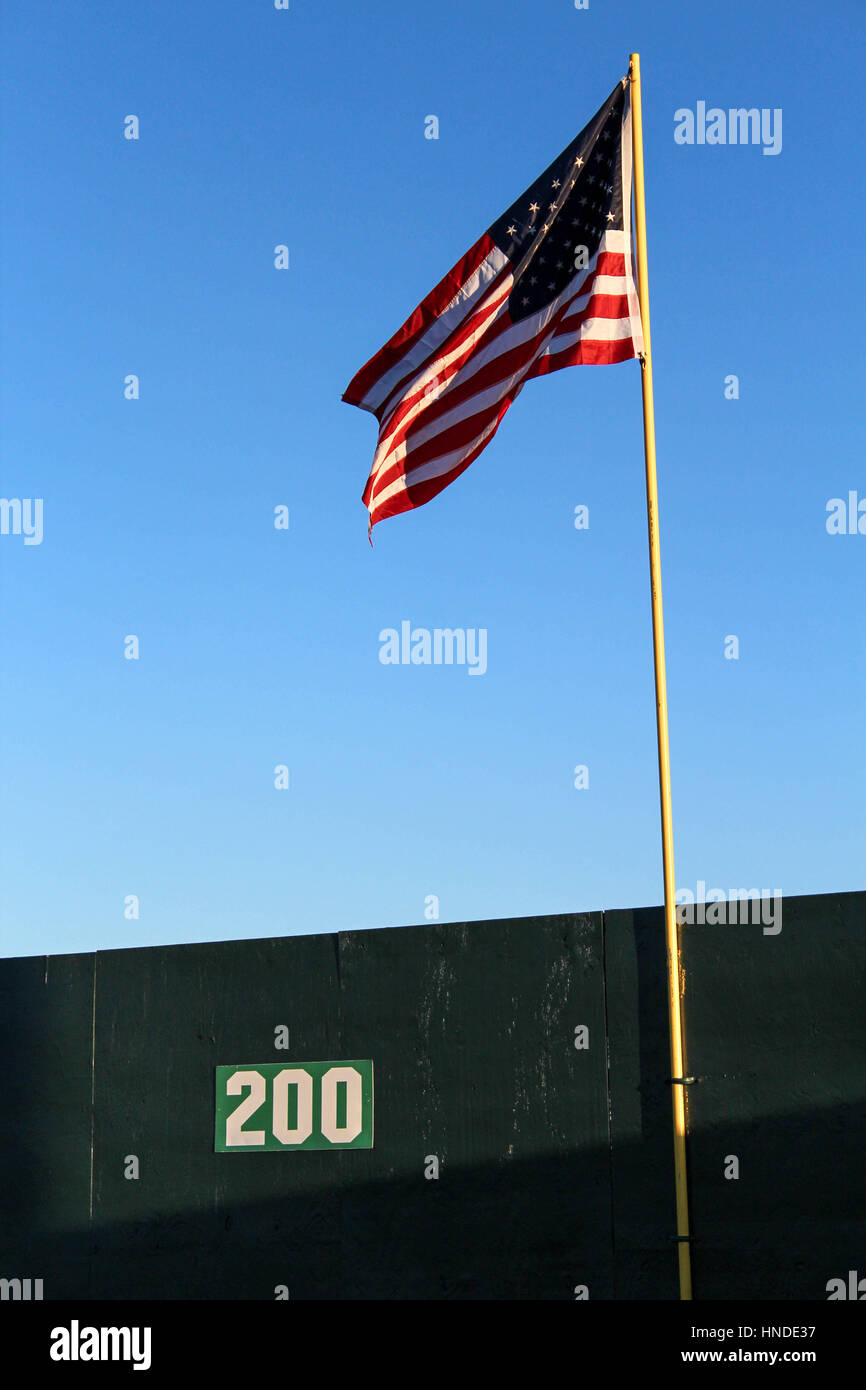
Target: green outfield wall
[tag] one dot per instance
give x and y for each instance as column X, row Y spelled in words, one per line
column 464, row 1110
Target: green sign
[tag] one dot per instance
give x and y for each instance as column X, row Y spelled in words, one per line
column 269, row 1107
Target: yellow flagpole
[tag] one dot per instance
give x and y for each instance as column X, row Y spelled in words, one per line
column 673, row 952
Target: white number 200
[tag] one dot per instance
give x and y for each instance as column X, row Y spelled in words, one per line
column 237, row 1136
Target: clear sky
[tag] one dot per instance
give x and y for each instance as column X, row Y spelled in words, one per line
column 260, row 647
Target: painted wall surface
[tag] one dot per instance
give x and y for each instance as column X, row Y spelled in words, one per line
column 554, row 1159
column 776, row 1031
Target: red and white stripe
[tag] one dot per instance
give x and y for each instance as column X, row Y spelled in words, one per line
column 440, row 387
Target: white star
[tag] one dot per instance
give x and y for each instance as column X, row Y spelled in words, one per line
column 511, row 231
column 578, row 161
column 551, row 286
column 526, row 301
column 532, row 280
column 555, row 183
column 533, row 208
column 610, row 217
column 546, row 227
column 606, row 135
column 583, row 200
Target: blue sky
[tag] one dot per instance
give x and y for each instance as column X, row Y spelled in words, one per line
column 155, row 777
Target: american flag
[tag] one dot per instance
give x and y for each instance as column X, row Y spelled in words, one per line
column 550, row 284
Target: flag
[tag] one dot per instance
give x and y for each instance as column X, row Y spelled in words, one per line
column 550, row 284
